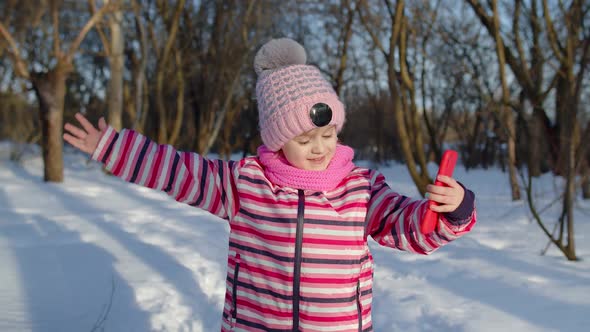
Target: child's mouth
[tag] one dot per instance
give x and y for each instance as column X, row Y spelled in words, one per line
column 317, row 160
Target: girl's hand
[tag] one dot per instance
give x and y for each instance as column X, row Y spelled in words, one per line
column 85, row 138
column 448, row 198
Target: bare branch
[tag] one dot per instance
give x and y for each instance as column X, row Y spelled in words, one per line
column 89, row 25
column 550, row 87
column 101, row 34
column 536, row 215
column 19, row 64
column 246, row 18
column 518, row 70
column 553, row 41
column 516, row 31
column 389, row 9
column 343, row 47
column 397, row 23
column 55, row 22
column 374, row 37
column 173, row 31
column 405, row 75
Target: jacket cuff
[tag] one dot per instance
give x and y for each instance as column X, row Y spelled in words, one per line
column 105, row 145
column 465, row 209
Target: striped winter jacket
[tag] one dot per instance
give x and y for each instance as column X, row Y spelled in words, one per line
column 298, row 260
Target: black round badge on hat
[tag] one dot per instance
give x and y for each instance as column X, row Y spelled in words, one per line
column 320, row 114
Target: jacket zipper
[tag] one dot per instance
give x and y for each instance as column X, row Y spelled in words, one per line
column 358, row 304
column 297, row 268
column 234, row 291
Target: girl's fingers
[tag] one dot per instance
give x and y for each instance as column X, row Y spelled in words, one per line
column 79, row 144
column 85, row 123
column 448, row 197
column 448, row 180
column 442, row 208
column 439, row 190
column 441, row 199
column 102, row 124
column 79, row 133
column 451, row 188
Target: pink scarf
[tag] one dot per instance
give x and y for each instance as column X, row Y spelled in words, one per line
column 281, row 172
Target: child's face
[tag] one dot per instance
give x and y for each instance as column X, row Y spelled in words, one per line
column 312, row 150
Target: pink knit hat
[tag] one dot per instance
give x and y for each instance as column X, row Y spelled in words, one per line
column 291, row 94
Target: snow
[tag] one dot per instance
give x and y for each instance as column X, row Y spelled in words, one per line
column 97, row 254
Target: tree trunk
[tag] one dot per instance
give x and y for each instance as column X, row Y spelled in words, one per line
column 214, row 131
column 563, row 125
column 411, row 110
column 50, row 89
column 161, row 72
column 404, row 138
column 505, row 111
column 570, row 193
column 584, row 157
column 536, row 129
column 569, row 139
column 398, row 83
column 343, row 48
column 179, row 117
column 140, row 98
column 585, row 183
column 116, row 66
column 380, row 154
column 418, row 139
column 515, row 188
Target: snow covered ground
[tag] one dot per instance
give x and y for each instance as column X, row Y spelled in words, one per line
column 97, row 254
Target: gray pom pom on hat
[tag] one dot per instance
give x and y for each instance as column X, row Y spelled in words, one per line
column 279, row 53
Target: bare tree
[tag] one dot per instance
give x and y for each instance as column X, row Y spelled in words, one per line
column 568, row 58
column 505, row 111
column 114, row 46
column 135, row 93
column 249, row 35
column 171, row 29
column 49, row 84
column 492, row 23
column 572, row 58
column 223, row 59
column 342, row 12
column 401, row 84
column 529, row 66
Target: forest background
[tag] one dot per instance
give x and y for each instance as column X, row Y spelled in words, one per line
column 503, row 82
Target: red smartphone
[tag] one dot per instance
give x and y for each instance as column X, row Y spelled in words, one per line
column 447, row 165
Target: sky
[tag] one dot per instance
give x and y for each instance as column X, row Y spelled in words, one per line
column 97, row 254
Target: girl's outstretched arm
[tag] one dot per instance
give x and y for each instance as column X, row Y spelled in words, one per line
column 393, row 220
column 185, row 176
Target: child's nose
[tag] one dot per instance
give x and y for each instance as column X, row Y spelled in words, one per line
column 318, row 147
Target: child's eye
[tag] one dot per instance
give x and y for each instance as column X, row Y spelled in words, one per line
column 327, row 136
column 303, row 142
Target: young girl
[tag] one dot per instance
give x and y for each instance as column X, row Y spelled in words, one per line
column 300, row 211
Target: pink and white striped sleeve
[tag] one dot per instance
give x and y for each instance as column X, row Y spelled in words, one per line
column 185, row 176
column 393, row 220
